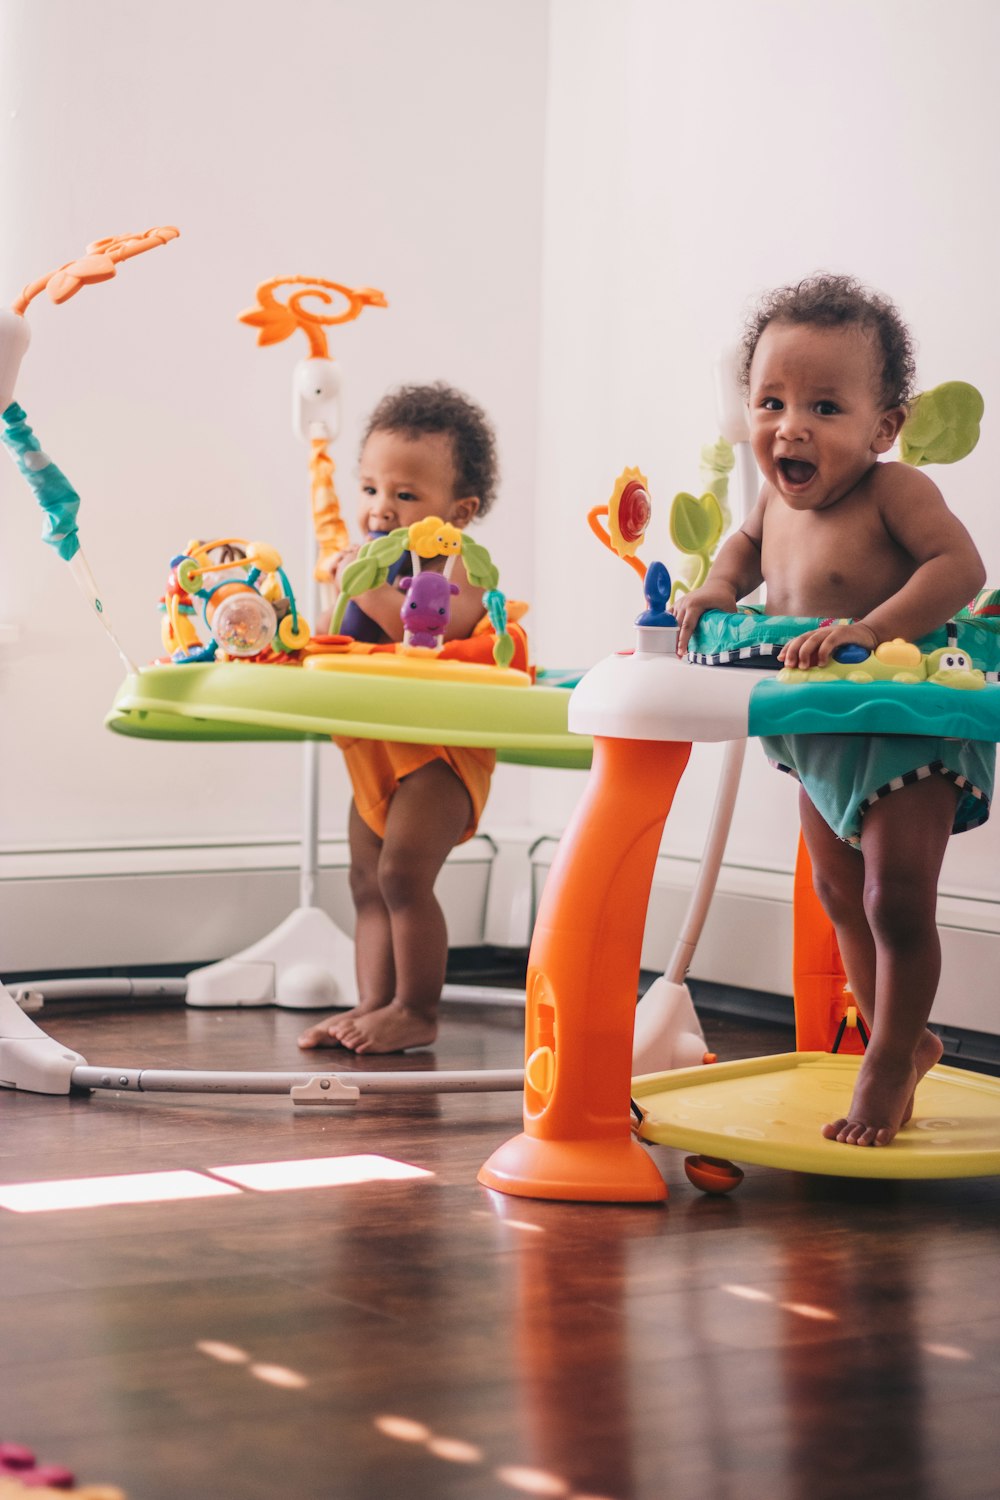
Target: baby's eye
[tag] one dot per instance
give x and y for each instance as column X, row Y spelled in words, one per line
column 771, row 403
column 406, row 495
column 367, row 489
column 827, row 408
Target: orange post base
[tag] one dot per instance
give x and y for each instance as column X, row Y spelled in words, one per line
column 615, row 1171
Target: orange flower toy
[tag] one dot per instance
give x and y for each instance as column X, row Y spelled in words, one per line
column 316, row 386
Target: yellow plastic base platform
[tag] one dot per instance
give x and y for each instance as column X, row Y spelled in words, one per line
column 769, row 1110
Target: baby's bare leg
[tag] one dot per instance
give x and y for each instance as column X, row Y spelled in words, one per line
column 427, row 817
column 373, row 961
column 882, row 905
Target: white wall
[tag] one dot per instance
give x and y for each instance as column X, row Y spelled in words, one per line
column 368, row 141
column 592, row 189
column 698, row 155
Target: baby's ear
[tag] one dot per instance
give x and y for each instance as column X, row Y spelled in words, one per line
column 889, row 427
column 465, row 510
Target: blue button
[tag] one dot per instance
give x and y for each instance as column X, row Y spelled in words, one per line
column 851, row 654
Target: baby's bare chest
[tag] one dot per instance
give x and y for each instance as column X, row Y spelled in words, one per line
column 839, row 561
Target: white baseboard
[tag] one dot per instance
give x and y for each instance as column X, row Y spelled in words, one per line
column 190, row 903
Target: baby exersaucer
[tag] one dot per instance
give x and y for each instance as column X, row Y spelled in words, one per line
column 255, row 679
column 251, row 677
column 644, row 709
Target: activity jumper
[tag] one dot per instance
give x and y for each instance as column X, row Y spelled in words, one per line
column 241, row 662
column 644, row 708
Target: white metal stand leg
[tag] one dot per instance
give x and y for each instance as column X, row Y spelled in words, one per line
column 306, row 963
column 667, row 1032
column 29, row 1059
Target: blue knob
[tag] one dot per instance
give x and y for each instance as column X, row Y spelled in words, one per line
column 851, row 654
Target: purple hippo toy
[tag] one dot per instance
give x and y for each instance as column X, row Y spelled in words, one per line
column 426, row 608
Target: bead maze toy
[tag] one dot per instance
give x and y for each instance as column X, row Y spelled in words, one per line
column 644, row 709
column 250, row 615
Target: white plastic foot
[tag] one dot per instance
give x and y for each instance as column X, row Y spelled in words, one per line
column 29, row 1058
column 306, row 963
column 667, row 1033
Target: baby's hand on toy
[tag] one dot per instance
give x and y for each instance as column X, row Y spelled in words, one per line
column 338, row 561
column 689, row 608
column 815, row 647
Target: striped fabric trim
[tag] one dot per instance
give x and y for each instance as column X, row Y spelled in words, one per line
column 977, row 815
column 766, row 649
column 743, row 654
column 936, row 769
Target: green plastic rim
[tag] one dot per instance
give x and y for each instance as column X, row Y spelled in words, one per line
column 233, row 701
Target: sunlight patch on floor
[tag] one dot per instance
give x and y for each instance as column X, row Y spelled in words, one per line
column 454, row 1450
column 531, row 1481
column 807, row 1310
column 316, row 1172
column 211, row 1182
column 403, row 1429
column 226, row 1354
column 279, row 1375
column 748, row 1293
column 101, row 1192
column 521, row 1477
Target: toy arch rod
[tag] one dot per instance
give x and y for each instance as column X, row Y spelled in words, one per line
column 200, row 1081
column 733, row 423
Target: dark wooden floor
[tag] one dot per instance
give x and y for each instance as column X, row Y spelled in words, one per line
column 806, row 1339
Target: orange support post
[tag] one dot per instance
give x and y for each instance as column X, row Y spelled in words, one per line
column 583, row 974
column 818, row 973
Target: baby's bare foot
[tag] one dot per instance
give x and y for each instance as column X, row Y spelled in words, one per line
column 928, row 1053
column 883, row 1096
column 391, row 1028
column 326, row 1033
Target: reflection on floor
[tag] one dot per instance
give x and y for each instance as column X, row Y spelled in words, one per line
column 397, row 1329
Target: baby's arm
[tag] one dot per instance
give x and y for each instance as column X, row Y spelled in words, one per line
column 466, row 606
column 948, row 570
column 734, row 574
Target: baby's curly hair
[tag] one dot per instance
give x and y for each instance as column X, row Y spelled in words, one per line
column 830, row 301
column 414, row 409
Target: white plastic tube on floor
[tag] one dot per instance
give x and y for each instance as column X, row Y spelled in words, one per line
column 196, row 1081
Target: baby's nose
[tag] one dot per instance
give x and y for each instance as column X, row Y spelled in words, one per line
column 793, row 424
column 381, row 518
